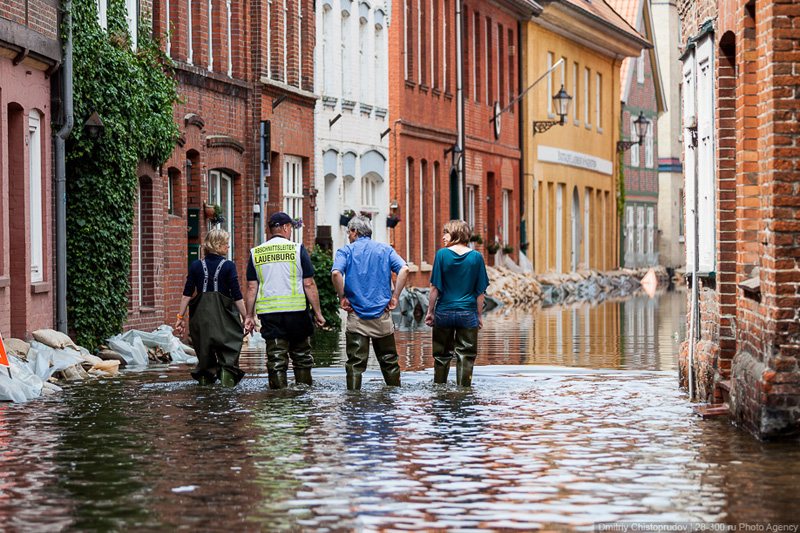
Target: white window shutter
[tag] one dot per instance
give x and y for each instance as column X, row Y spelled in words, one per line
column 689, row 119
column 706, row 179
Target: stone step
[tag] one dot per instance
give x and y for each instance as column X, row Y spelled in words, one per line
column 711, row 410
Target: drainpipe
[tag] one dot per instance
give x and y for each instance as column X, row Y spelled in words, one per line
column 460, row 108
column 61, row 175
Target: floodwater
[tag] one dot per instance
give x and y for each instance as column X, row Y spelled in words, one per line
column 575, row 418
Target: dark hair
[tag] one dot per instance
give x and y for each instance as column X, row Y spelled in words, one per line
column 459, row 231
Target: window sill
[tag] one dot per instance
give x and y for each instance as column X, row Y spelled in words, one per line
column 751, row 288
column 600, row 130
column 144, row 310
column 5, row 281
column 423, row 88
column 588, row 126
column 412, row 267
column 40, row 287
column 436, row 91
column 410, row 84
column 426, row 267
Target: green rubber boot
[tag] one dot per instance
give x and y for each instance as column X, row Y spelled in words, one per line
column 386, row 352
column 205, row 380
column 227, row 378
column 277, row 380
column 440, row 372
column 302, row 375
column 357, row 348
column 466, row 348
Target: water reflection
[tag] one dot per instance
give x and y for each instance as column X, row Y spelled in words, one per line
column 530, row 446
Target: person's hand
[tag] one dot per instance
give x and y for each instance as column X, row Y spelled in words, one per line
column 429, row 319
column 480, row 321
column 319, row 320
column 344, row 303
column 179, row 327
column 392, row 303
column 249, row 325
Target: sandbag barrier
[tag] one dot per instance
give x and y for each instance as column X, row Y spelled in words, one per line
column 53, row 357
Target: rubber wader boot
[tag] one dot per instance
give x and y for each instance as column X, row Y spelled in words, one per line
column 277, row 380
column 205, row 379
column 466, row 348
column 357, row 348
column 440, row 372
column 386, row 352
column 227, row 378
column 302, row 375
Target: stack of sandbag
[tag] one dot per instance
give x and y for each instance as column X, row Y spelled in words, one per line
column 139, row 348
column 57, row 356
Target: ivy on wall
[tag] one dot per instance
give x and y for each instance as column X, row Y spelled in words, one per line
column 133, row 92
column 328, row 301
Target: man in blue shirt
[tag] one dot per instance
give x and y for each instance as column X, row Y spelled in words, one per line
column 362, row 277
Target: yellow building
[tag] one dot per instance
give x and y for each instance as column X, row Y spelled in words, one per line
column 570, row 171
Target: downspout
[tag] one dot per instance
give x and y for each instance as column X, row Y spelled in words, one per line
column 61, row 174
column 460, row 108
column 696, row 229
column 523, row 194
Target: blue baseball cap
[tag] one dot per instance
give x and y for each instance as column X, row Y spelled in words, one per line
column 279, row 219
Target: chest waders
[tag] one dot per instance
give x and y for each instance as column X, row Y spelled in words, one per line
column 216, row 330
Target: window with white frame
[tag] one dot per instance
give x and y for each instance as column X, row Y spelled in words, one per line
column 170, row 192
column 650, row 232
column 369, row 194
column 550, row 59
column 285, row 29
column 586, row 79
column 381, row 67
column 420, row 57
column 487, row 41
column 433, row 45
column 598, row 104
column 423, row 175
column 506, row 214
column 269, row 39
column 228, row 40
column 190, row 34
column 409, row 169
column 471, row 207
column 563, row 70
column 649, row 159
column 300, row 44
column 328, row 80
column 475, row 60
column 365, row 77
column 168, row 34
column 132, row 20
column 102, row 15
column 35, row 196
column 629, row 233
column 220, row 192
column 444, row 44
column 640, row 230
column 575, row 111
column 346, row 84
column 406, row 38
column 293, row 191
column 640, row 67
column 636, row 147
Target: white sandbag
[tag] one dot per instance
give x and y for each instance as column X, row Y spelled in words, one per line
column 23, row 385
column 133, row 353
column 17, row 347
column 109, row 367
column 53, row 338
column 90, row 360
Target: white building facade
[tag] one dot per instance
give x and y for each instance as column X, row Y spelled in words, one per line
column 351, row 116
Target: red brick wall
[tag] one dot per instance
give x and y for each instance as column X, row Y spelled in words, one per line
column 422, row 109
column 40, row 16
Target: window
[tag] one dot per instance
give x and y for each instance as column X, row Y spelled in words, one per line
column 487, row 40
column 270, row 50
column 299, row 44
column 640, row 67
column 132, row 20
column 35, row 196
column 501, row 70
column 170, row 192
column 587, row 217
column 369, row 194
column 598, row 104
column 381, row 68
column 629, row 235
column 423, row 174
column 681, row 220
column 407, row 36
column 476, row 60
column 190, row 36
column 328, row 80
column 586, row 80
column 420, row 50
column 650, row 233
column 102, row 16
column 229, row 41
column 648, row 147
column 444, row 44
column 576, row 119
column 293, row 191
column 506, row 214
column 220, row 192
column 409, row 170
column 433, row 14
column 639, row 231
column 550, row 58
column 285, row 78
column 365, row 77
column 512, row 84
column 471, row 207
column 563, row 70
column 636, row 147
column 346, row 83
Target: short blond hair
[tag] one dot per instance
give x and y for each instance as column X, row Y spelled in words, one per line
column 216, row 241
column 459, row 231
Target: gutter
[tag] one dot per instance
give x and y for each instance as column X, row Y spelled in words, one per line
column 61, row 174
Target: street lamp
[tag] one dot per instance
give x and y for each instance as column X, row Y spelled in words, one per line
column 94, row 125
column 641, row 125
column 561, row 100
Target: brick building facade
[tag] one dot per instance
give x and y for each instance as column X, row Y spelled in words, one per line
column 422, row 114
column 29, row 52
column 748, row 337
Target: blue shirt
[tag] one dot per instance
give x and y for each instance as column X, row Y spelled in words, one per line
column 228, row 280
column 460, row 279
column 367, row 268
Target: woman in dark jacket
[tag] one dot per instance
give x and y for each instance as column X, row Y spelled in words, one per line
column 217, row 310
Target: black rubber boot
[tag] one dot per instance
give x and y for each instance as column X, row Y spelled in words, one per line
column 227, row 378
column 205, row 379
column 277, row 380
column 302, row 375
column 357, row 348
column 442, row 347
column 466, row 348
column 386, row 352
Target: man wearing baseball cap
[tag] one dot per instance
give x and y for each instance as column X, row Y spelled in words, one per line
column 280, row 285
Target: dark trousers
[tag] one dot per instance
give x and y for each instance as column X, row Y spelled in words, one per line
column 459, row 342
column 357, row 348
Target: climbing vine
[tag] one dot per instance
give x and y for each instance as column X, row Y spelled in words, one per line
column 323, row 262
column 133, row 92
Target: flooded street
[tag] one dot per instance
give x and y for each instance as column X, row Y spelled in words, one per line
column 575, row 417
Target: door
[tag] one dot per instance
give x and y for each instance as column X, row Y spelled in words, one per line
column 575, row 219
column 559, row 227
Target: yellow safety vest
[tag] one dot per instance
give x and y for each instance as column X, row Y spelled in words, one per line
column 280, row 276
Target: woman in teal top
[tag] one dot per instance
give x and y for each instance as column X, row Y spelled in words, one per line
column 458, row 284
